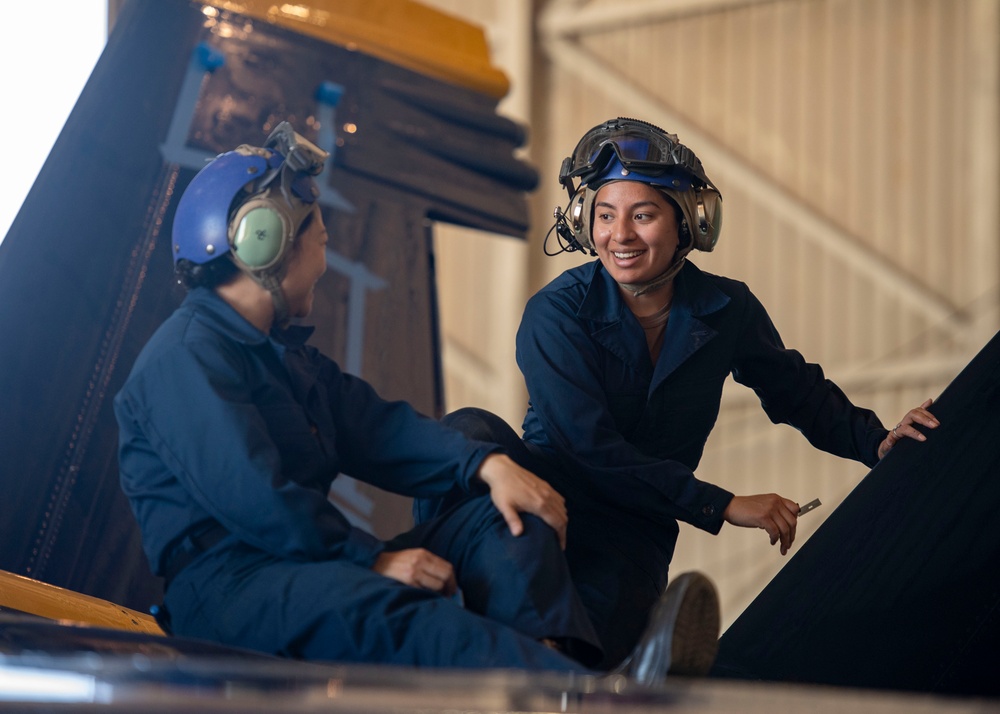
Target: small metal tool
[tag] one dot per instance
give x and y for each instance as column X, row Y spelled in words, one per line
column 809, row 506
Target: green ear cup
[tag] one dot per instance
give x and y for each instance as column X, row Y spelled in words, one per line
column 259, row 237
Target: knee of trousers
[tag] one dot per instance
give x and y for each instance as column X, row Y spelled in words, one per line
column 476, row 423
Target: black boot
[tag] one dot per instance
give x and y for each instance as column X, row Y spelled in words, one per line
column 682, row 636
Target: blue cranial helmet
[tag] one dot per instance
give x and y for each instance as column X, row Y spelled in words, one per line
column 249, row 203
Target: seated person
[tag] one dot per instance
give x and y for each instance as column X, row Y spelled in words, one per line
column 232, row 429
column 624, row 359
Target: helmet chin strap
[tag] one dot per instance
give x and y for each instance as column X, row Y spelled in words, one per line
column 272, row 283
column 637, row 289
column 273, row 286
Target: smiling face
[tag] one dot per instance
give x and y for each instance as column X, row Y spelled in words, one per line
column 635, row 231
column 306, row 265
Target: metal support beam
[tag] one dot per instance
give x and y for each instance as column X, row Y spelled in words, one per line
column 569, row 19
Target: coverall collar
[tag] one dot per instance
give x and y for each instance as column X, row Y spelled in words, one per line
column 234, row 326
column 617, row 329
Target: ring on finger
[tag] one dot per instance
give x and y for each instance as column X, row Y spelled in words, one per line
column 896, row 427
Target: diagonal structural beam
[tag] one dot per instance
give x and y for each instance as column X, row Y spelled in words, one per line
column 569, row 18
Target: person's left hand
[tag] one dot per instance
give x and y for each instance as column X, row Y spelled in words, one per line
column 516, row 490
column 418, row 568
column 905, row 428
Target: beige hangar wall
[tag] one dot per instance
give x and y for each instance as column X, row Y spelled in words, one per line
column 856, row 146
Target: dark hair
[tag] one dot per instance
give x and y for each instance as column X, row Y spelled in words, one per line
column 207, row 275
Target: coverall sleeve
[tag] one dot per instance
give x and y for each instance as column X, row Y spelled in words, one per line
column 391, row 445
column 226, row 460
column 562, row 369
column 796, row 392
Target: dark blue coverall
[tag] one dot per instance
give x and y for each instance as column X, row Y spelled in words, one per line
column 620, row 437
column 227, row 431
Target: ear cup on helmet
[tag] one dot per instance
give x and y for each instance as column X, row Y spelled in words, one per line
column 708, row 222
column 579, row 220
column 260, row 232
column 579, row 217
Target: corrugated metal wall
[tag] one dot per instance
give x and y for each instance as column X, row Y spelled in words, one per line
column 856, row 146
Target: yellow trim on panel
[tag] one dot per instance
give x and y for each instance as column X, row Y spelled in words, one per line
column 37, row 598
column 403, row 32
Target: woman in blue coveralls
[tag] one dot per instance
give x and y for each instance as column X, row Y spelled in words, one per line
column 625, row 358
column 232, row 429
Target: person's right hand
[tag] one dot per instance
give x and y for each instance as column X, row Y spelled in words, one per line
column 769, row 511
column 516, row 490
column 419, row 568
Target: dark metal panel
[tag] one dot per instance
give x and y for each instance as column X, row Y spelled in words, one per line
column 75, row 253
column 900, row 586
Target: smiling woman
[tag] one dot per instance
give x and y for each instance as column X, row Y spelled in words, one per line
column 625, row 359
column 636, row 237
column 47, row 91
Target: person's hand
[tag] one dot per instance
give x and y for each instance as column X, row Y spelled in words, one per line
column 516, row 490
column 418, row 568
column 769, row 511
column 905, row 428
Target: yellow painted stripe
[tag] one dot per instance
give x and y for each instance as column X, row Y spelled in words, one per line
column 403, row 32
column 38, row 598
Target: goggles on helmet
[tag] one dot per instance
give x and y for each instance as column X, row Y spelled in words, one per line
column 633, row 145
column 300, row 154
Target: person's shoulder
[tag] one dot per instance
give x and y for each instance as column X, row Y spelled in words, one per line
column 739, row 299
column 185, row 329
column 568, row 288
column 702, row 280
column 724, row 283
column 558, row 303
column 190, row 333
